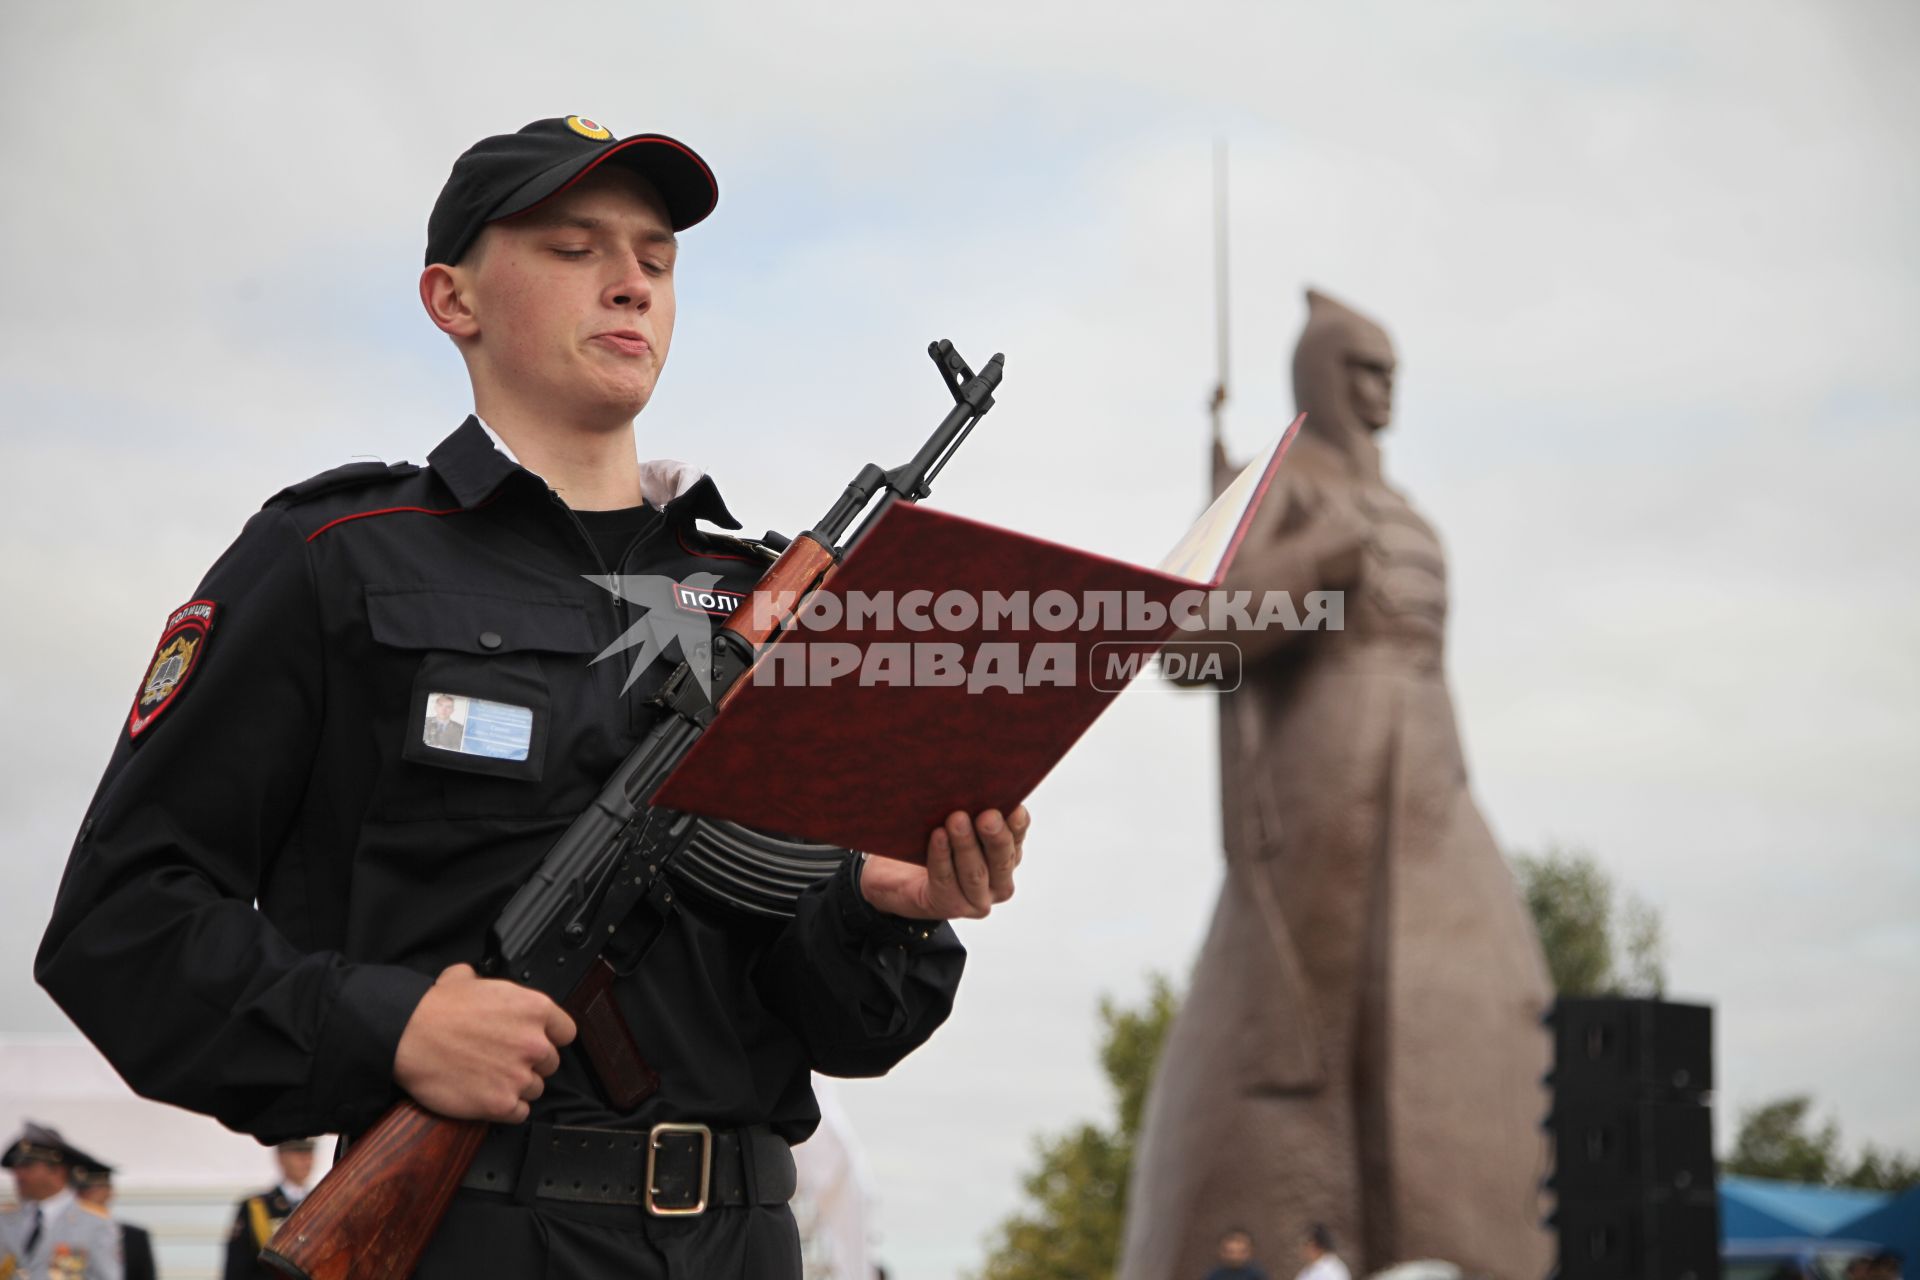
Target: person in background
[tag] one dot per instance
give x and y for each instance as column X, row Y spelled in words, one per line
column 1885, row 1265
column 93, row 1184
column 257, row 1216
column 48, row 1236
column 1322, row 1262
column 1236, row 1257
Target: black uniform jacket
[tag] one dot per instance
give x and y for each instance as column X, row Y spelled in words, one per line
column 291, row 768
column 136, row 1253
column 254, row 1221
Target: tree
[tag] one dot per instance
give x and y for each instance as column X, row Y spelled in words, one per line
column 1602, row 942
column 1775, row 1141
column 1884, row 1170
column 1594, row 945
column 1071, row 1228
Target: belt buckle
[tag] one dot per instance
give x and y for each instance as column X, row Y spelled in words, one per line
column 699, row 1206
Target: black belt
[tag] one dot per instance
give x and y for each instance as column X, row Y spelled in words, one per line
column 672, row 1170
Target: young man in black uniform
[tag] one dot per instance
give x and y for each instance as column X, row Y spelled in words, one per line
column 277, row 752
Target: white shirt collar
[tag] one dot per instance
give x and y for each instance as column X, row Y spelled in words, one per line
column 293, row 1191
column 661, row 479
column 55, row 1205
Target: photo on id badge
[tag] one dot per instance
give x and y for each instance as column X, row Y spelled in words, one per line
column 477, row 727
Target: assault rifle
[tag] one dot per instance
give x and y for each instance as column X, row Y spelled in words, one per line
column 598, row 898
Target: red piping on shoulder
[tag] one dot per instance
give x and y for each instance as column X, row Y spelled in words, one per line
column 681, row 538
column 383, row 511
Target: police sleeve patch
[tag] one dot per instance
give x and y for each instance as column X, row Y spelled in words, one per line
column 174, row 658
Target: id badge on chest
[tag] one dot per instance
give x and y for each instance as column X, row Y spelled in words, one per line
column 477, row 726
column 479, row 715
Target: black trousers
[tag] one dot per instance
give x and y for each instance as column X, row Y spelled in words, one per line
column 489, row 1235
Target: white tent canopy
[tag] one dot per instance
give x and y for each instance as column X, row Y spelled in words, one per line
column 835, row 1201
column 61, row 1080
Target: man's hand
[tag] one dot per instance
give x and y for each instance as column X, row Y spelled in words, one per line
column 480, row 1048
column 970, row 865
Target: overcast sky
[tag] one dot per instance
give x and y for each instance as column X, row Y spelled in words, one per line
column 1651, row 269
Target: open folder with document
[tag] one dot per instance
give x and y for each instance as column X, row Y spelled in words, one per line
column 945, row 665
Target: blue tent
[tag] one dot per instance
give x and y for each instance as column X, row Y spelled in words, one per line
column 1763, row 1208
column 1895, row 1224
column 1742, row 1219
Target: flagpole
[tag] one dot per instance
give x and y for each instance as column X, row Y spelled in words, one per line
column 1218, row 401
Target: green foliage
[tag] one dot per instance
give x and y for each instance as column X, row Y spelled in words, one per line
column 1132, row 1047
column 1593, row 946
column 1884, row 1171
column 1776, row 1141
column 1644, row 971
column 1070, row 1229
column 1600, row 941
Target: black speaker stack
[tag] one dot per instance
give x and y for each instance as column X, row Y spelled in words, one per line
column 1633, row 1140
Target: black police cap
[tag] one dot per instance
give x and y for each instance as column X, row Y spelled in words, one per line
column 510, row 173
column 89, row 1171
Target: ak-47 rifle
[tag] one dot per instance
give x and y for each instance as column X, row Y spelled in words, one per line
column 602, row 888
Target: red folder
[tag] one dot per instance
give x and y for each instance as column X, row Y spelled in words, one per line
column 853, row 735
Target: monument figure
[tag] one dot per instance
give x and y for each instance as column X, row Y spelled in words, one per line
column 1360, row 1045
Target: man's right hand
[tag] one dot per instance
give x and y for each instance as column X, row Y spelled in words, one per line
column 480, row 1048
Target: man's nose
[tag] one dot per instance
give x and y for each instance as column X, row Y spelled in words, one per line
column 633, row 288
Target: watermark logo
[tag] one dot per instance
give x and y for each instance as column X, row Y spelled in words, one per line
column 1137, row 612
column 1007, row 641
column 668, row 627
column 1212, row 663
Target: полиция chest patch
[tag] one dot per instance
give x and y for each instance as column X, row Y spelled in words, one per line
column 697, row 595
column 182, row 642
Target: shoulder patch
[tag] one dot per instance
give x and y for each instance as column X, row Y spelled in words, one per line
column 174, row 658
column 344, row 477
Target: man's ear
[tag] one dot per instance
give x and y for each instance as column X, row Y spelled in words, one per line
column 443, row 292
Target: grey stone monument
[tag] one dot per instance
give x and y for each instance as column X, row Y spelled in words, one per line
column 1361, row 1043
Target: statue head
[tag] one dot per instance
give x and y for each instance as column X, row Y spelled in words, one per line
column 1342, row 372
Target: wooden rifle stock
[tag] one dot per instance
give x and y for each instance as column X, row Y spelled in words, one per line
column 374, row 1212
column 786, row 585
column 372, row 1215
